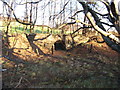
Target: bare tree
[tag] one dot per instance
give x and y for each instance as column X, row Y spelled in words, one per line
column 113, row 16
column 31, row 22
column 95, row 21
column 7, row 22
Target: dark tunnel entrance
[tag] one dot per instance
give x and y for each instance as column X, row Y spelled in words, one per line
column 59, row 45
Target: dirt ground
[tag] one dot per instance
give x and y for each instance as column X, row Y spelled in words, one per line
column 87, row 65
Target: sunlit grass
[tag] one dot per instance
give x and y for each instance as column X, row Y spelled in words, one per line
column 20, row 29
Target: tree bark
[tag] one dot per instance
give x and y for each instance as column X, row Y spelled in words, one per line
column 35, row 48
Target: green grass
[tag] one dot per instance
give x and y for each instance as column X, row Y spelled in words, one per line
column 21, row 29
column 16, row 27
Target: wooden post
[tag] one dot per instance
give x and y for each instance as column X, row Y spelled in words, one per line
column 52, row 49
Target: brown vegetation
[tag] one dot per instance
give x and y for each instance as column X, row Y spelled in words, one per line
column 62, row 68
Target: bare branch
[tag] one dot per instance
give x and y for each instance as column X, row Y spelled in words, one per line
column 80, row 29
column 62, row 11
column 97, row 25
column 78, row 12
column 102, row 14
column 15, row 15
column 78, row 21
column 107, row 24
column 29, row 2
column 42, row 38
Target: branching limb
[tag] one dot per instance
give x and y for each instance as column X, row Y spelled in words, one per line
column 15, row 15
column 42, row 38
column 107, row 24
column 78, row 21
column 36, row 2
column 110, row 15
column 77, row 12
column 62, row 11
column 97, row 25
column 79, row 29
column 100, row 30
column 102, row 14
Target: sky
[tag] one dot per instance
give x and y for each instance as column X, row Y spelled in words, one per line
column 44, row 19
column 20, row 10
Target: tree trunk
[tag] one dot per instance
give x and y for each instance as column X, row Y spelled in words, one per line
column 35, row 48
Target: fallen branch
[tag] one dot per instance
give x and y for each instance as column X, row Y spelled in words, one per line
column 19, row 82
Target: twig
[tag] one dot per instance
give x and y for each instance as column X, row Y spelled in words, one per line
column 42, row 38
column 36, row 2
column 27, row 80
column 78, row 12
column 78, row 21
column 19, row 82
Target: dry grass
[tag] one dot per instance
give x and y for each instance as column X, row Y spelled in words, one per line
column 75, row 68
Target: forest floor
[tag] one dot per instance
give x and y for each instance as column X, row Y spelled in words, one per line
column 76, row 68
